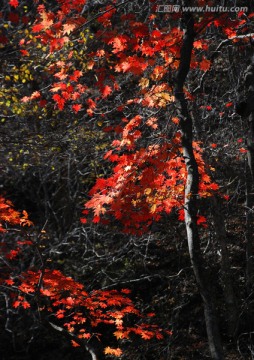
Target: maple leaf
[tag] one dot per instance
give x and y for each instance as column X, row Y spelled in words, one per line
column 205, row 64
column 181, row 215
column 229, row 32
column 60, row 314
column 198, row 44
column 213, row 186
column 119, row 43
column 37, row 27
column 9, row 282
column 25, row 305
column 110, row 351
column 121, row 334
column 126, row 291
column 59, row 100
column 12, row 254
column 46, row 292
column 68, row 28
column 76, row 107
column 14, row 3
column 146, row 335
column 106, row 91
column 76, row 75
column 201, row 220
column 175, row 120
column 74, row 343
column 109, row 11
column 69, row 301
column 24, row 52
column 35, row 95
column 25, row 99
column 16, row 304
column 242, row 150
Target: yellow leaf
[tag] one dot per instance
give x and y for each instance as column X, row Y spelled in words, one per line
column 119, row 334
column 153, row 208
column 144, row 83
column 147, row 191
column 110, row 351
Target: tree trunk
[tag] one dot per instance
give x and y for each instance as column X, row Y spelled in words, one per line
column 246, row 109
column 249, row 233
column 191, row 193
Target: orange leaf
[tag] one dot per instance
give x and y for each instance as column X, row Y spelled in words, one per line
column 110, row 351
column 204, row 64
column 74, row 344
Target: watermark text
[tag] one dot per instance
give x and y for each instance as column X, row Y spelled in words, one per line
column 163, row 8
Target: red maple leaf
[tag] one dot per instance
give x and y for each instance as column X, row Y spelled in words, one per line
column 14, row 3
column 76, row 107
column 106, row 91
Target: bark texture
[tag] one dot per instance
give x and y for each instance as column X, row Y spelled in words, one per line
column 191, row 192
column 246, row 109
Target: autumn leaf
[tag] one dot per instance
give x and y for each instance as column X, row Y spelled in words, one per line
column 59, row 100
column 9, row 282
column 24, row 52
column 76, row 75
column 226, row 197
column 76, row 107
column 175, row 120
column 16, row 304
column 205, row 64
column 146, row 335
column 68, row 28
column 106, row 91
column 201, row 220
column 70, row 301
column 110, row 351
column 229, row 104
column 37, row 27
column 198, row 44
column 25, row 305
column 242, row 150
column 14, row 3
column 119, row 43
column 74, row 343
column 120, row 334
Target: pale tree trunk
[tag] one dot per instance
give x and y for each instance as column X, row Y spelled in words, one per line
column 191, row 194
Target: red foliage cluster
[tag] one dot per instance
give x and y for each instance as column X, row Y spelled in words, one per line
column 145, row 184
column 66, row 299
